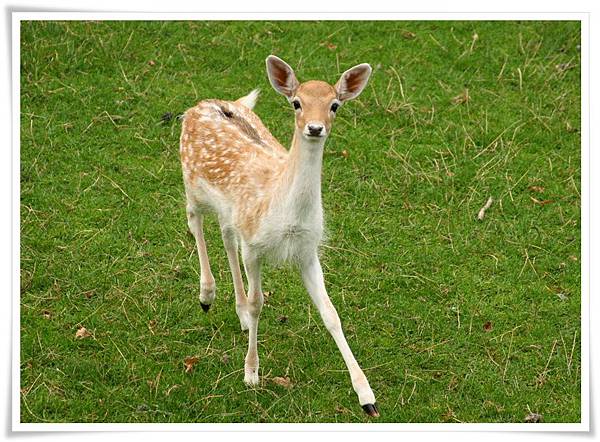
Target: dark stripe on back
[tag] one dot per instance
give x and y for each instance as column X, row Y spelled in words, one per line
column 240, row 122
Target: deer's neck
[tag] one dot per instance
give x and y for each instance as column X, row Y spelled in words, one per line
column 300, row 186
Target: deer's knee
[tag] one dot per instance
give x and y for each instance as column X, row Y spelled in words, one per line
column 194, row 220
column 331, row 319
column 229, row 237
column 255, row 303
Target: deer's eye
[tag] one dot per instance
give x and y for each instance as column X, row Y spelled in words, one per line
column 334, row 107
column 296, row 104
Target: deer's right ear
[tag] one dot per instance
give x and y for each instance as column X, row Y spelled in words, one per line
column 281, row 76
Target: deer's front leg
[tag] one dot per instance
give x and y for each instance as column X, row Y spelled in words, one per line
column 254, row 306
column 312, row 275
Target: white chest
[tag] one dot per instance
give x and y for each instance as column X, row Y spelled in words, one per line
column 284, row 237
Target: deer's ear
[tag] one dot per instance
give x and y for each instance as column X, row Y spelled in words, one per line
column 353, row 81
column 281, row 76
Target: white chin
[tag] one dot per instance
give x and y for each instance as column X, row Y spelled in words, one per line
column 314, row 138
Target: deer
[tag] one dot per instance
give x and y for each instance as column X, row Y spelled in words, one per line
column 267, row 199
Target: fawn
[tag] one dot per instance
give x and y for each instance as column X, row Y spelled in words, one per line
column 267, row 199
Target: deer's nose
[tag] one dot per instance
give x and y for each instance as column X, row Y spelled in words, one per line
column 315, row 129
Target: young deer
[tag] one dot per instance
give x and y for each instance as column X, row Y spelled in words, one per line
column 267, row 199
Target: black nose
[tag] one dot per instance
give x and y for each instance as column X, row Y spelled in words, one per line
column 314, row 130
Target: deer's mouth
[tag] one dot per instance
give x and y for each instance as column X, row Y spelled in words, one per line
column 314, row 136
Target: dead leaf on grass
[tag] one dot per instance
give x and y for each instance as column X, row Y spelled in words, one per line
column 408, row 35
column 449, row 415
column 533, row 418
column 82, row 333
column 329, row 45
column 488, row 326
column 461, row 98
column 453, row 383
column 539, row 189
column 283, row 382
column 189, row 363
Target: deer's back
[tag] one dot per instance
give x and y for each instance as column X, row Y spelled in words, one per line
column 230, row 160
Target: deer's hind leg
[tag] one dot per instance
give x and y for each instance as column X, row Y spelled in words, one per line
column 195, row 220
column 230, row 241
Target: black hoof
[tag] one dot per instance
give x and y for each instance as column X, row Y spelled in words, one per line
column 205, row 307
column 371, row 410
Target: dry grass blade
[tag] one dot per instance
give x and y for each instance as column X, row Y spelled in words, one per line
column 487, row 205
column 474, row 38
column 541, row 202
column 561, row 67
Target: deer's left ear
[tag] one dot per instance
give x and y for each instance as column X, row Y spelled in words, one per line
column 353, row 81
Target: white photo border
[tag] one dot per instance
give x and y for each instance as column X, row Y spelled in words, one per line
column 584, row 425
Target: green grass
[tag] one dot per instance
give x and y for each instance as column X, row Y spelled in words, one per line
column 452, row 318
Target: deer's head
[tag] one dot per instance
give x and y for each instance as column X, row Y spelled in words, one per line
column 316, row 102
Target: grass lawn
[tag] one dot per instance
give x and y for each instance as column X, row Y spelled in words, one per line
column 454, row 319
